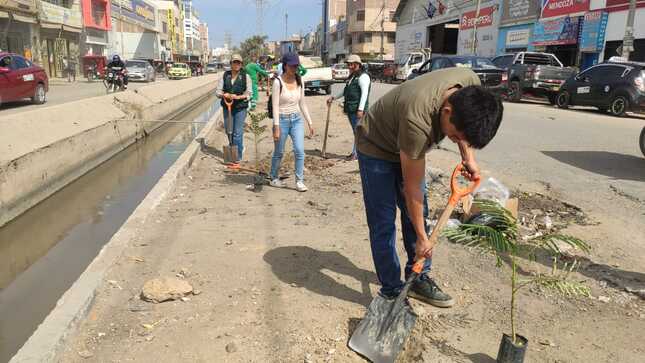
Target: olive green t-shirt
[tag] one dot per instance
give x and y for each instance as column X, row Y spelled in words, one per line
column 407, row 117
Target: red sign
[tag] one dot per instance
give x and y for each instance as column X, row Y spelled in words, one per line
column 551, row 8
column 96, row 14
column 621, row 5
column 469, row 19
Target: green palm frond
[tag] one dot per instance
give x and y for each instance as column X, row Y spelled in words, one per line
column 481, row 237
column 562, row 286
column 550, row 243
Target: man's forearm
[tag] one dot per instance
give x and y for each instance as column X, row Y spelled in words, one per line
column 414, row 203
column 465, row 151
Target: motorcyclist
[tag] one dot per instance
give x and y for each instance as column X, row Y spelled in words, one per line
column 118, row 65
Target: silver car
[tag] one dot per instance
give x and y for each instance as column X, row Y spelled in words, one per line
column 140, row 70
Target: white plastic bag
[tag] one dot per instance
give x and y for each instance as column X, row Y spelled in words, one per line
column 492, row 189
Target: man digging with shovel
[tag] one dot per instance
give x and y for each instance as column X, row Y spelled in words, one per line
column 392, row 140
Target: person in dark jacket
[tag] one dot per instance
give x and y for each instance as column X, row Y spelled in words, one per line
column 236, row 85
column 118, row 64
column 356, row 94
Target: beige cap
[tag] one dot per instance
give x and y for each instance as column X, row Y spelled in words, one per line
column 354, row 59
column 236, row 57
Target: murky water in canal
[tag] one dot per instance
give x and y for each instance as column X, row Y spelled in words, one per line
column 44, row 251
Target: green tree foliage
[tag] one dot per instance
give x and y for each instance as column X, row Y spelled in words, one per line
column 252, row 48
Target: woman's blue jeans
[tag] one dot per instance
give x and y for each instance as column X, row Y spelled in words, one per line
column 291, row 125
column 239, row 118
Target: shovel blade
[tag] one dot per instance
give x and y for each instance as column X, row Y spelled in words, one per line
column 381, row 334
column 230, row 154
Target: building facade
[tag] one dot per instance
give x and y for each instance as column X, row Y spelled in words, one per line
column 580, row 33
column 97, row 23
column 371, row 31
column 333, row 12
column 134, row 30
column 60, row 30
column 19, row 30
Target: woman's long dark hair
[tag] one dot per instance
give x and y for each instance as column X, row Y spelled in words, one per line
column 298, row 78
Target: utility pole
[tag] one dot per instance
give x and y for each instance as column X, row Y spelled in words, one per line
column 121, row 24
column 259, row 16
column 479, row 2
column 382, row 30
column 628, row 40
column 286, row 26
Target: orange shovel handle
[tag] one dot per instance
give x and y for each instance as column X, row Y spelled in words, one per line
column 456, row 193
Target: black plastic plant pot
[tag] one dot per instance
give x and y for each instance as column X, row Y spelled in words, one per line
column 512, row 353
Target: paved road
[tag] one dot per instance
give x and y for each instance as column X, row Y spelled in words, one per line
column 62, row 92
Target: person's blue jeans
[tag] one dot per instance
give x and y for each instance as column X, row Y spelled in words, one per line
column 239, row 118
column 353, row 121
column 291, row 125
column 383, row 192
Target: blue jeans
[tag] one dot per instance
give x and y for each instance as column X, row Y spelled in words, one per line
column 290, row 125
column 239, row 117
column 382, row 192
column 353, row 121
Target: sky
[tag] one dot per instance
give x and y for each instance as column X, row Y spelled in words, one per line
column 238, row 17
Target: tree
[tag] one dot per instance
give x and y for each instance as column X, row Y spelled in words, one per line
column 252, row 48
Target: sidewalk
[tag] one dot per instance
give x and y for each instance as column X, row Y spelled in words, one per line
column 283, row 276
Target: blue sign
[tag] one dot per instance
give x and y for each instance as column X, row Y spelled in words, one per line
column 138, row 11
column 592, row 37
column 556, row 32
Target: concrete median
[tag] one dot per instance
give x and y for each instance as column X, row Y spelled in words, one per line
column 44, row 150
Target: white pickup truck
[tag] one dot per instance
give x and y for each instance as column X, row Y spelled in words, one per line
column 318, row 77
column 410, row 62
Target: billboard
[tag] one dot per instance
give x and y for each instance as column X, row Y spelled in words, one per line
column 552, row 8
column 516, row 11
column 469, row 19
column 592, row 36
column 556, row 32
column 136, row 11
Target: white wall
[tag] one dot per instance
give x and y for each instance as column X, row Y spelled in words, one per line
column 617, row 22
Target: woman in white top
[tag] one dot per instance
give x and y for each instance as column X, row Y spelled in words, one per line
column 289, row 108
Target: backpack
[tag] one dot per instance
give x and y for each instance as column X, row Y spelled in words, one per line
column 270, row 103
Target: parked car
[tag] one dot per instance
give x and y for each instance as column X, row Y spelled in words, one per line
column 491, row 77
column 340, row 71
column 538, row 74
column 615, row 87
column 318, row 77
column 411, row 61
column 20, row 79
column 211, row 68
column 179, row 70
column 140, row 70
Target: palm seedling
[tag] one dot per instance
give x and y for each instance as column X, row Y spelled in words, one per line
column 498, row 235
column 258, row 130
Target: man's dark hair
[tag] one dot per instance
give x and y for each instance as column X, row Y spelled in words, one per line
column 477, row 113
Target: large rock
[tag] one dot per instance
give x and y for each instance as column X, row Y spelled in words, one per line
column 165, row 289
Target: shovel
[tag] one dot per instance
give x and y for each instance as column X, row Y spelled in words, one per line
column 324, row 147
column 230, row 150
column 381, row 334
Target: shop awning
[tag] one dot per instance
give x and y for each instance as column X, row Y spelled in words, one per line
column 24, row 19
column 50, row 25
column 71, row 29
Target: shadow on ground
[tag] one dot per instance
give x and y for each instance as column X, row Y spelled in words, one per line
column 303, row 266
column 610, row 164
column 328, row 155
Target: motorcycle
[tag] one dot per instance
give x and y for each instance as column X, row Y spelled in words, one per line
column 114, row 80
column 92, row 74
column 642, row 141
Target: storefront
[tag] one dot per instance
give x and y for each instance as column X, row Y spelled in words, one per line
column 592, row 37
column 96, row 19
column 478, row 32
column 134, row 31
column 18, row 28
column 430, row 24
column 558, row 29
column 516, row 25
column 616, row 21
column 60, row 30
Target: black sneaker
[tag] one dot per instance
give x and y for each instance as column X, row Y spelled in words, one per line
column 426, row 290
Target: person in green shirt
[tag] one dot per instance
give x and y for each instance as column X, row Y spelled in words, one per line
column 392, row 141
column 253, row 69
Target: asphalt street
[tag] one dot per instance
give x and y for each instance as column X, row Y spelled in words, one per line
column 62, row 92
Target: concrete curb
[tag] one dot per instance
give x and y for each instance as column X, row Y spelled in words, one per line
column 46, row 342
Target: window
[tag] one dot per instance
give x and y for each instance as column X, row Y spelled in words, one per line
column 63, row 3
column 365, row 38
column 438, row 64
column 416, row 59
column 591, row 74
column 164, row 27
column 503, row 62
column 610, row 73
column 391, row 38
column 19, row 63
column 425, row 67
column 5, row 62
column 391, row 18
column 360, row 15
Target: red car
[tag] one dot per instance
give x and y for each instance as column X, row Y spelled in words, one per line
column 20, row 79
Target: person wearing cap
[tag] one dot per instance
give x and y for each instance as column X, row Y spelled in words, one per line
column 289, row 109
column 356, row 94
column 253, row 69
column 392, row 141
column 236, row 85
